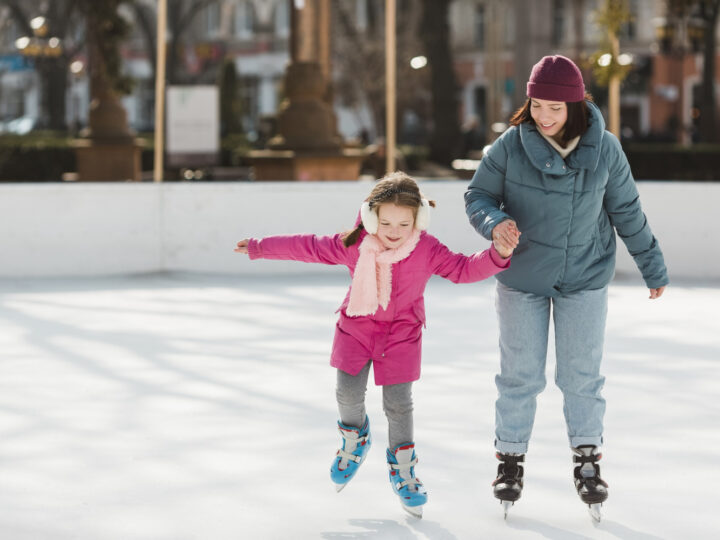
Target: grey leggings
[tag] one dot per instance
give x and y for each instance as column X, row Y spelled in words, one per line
column 397, row 404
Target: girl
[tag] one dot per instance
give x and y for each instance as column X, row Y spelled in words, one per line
column 567, row 183
column 390, row 258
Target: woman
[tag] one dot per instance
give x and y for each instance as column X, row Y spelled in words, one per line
column 561, row 179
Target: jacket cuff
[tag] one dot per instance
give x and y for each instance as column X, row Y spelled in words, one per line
column 497, row 258
column 254, row 249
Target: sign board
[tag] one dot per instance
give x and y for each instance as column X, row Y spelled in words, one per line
column 193, row 126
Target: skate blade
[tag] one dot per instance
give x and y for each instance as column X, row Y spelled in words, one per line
column 594, row 510
column 506, row 507
column 415, row 511
column 339, row 487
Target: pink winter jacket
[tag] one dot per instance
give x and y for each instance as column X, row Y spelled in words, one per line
column 390, row 337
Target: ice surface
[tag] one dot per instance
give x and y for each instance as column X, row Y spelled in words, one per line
column 180, row 406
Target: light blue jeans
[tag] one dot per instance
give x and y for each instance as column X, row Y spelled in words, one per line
column 524, row 320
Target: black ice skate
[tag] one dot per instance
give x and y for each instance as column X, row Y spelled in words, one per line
column 591, row 488
column 509, row 482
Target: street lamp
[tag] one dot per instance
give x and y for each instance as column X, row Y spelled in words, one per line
column 38, row 45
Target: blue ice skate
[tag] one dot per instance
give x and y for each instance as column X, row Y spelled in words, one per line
column 355, row 445
column 412, row 493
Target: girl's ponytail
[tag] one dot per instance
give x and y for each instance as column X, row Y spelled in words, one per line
column 351, row 237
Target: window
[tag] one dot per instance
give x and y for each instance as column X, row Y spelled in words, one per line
column 212, row 17
column 558, row 21
column 282, row 19
column 249, row 91
column 480, row 21
column 629, row 29
column 244, row 20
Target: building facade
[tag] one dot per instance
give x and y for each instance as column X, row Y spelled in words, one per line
column 494, row 43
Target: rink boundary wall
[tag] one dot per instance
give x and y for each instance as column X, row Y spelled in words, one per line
column 96, row 229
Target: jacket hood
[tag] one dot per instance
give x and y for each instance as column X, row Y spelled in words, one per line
column 585, row 156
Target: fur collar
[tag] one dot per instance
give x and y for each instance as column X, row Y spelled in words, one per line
column 372, row 279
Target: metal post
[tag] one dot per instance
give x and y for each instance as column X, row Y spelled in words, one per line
column 390, row 85
column 160, row 91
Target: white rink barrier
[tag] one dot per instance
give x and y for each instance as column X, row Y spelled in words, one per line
column 95, row 229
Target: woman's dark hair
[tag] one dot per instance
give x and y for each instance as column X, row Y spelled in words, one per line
column 397, row 188
column 577, row 118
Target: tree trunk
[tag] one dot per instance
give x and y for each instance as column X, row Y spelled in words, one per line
column 708, row 108
column 54, row 90
column 445, row 137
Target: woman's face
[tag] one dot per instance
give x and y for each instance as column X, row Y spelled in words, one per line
column 549, row 116
column 395, row 224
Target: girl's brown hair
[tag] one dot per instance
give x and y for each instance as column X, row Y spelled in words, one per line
column 397, row 188
column 577, row 118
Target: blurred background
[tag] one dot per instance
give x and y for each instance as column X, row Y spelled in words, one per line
column 296, row 89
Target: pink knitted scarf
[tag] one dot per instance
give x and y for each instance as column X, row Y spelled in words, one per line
column 372, row 280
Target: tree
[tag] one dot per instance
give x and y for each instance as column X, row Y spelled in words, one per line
column 62, row 20
column 359, row 60
column 105, row 31
column 704, row 37
column 230, row 112
column 435, row 31
column 709, row 11
column 181, row 14
column 607, row 68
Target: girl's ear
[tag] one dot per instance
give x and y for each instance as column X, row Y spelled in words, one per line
column 423, row 215
column 369, row 218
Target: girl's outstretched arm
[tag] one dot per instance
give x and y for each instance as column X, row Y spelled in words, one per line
column 299, row 247
column 460, row 268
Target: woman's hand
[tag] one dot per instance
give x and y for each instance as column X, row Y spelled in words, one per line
column 505, row 237
column 657, row 293
column 242, row 246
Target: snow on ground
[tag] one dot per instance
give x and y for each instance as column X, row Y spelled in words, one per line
column 173, row 407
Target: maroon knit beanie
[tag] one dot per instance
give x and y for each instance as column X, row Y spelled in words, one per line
column 556, row 78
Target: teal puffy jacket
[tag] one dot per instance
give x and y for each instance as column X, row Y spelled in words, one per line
column 567, row 210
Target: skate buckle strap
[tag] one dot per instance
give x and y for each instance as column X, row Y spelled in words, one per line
column 405, row 468
column 582, row 458
column 347, row 456
column 360, row 439
column 508, row 458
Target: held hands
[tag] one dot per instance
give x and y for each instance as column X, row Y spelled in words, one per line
column 657, row 293
column 505, row 237
column 242, row 246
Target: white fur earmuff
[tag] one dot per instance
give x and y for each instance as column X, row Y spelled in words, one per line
column 422, row 221
column 370, row 218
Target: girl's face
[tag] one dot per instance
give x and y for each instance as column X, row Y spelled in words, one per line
column 395, row 224
column 550, row 116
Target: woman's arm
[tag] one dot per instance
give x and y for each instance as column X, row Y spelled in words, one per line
column 622, row 204
column 484, row 196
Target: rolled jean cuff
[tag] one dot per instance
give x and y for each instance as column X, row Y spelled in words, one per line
column 580, row 441
column 511, row 447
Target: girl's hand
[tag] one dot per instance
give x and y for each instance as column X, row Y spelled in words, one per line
column 657, row 293
column 505, row 237
column 242, row 246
